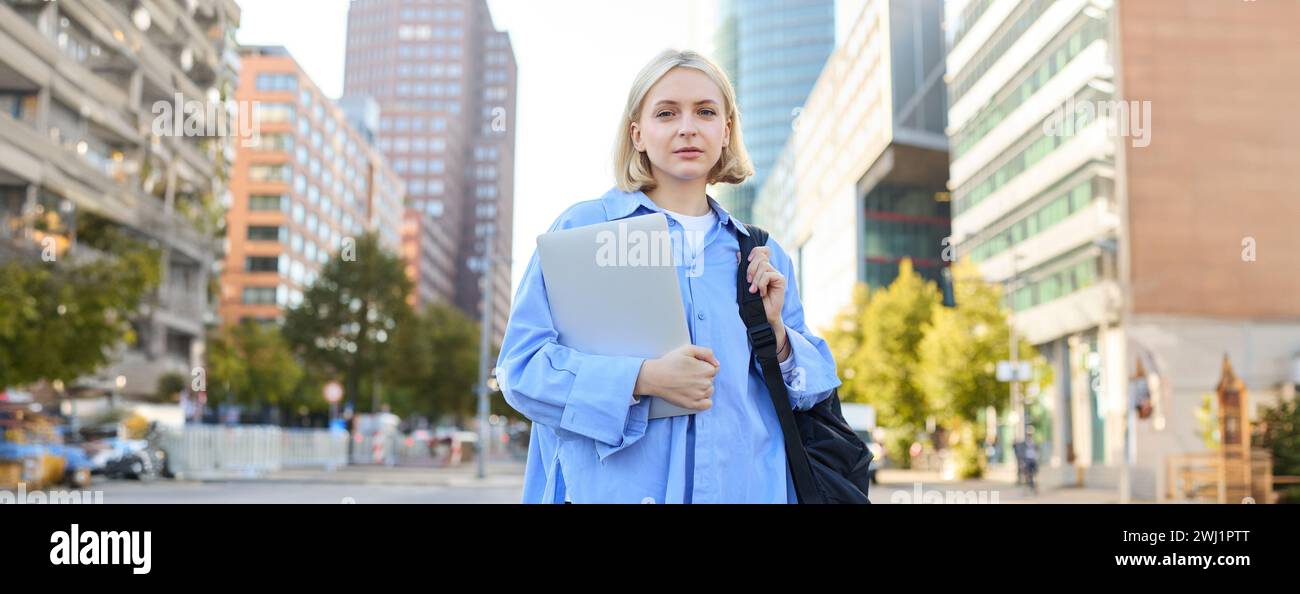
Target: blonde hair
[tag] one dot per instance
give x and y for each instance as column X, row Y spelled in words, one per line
column 632, row 170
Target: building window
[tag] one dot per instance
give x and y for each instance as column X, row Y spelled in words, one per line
column 275, row 112
column 261, row 264
column 259, row 295
column 277, row 82
column 270, row 173
column 265, row 233
column 281, row 141
column 271, row 202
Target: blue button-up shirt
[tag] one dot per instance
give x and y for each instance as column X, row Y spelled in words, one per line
column 591, row 444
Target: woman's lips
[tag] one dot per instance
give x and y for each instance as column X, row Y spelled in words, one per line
column 689, row 154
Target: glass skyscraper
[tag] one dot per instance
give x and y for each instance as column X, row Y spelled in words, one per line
column 773, row 50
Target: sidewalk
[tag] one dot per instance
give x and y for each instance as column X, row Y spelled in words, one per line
column 499, row 474
column 908, row 486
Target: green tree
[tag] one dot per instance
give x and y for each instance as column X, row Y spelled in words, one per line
column 435, row 366
column 877, row 346
column 958, row 359
column 1278, row 431
column 344, row 326
column 60, row 320
column 250, row 364
column 170, row 384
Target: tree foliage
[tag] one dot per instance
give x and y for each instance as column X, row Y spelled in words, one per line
column 912, row 359
column 344, row 326
column 63, row 319
column 250, row 364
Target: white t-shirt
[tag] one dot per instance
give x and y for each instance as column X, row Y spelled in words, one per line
column 695, row 229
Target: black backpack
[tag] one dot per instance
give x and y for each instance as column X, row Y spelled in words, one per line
column 827, row 460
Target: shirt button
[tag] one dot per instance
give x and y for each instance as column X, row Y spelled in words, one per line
column 700, row 315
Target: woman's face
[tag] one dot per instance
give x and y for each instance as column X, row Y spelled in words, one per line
column 682, row 126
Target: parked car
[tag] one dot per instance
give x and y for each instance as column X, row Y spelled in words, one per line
column 139, row 459
column 33, row 450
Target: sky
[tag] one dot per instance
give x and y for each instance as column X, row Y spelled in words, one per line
column 576, row 59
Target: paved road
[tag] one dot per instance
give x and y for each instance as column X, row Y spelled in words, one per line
column 300, row 492
column 903, row 486
column 504, row 484
column 353, row 484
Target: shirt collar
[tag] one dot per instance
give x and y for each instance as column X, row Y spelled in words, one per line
column 620, row 204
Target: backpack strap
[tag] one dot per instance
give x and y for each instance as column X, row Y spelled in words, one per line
column 762, row 342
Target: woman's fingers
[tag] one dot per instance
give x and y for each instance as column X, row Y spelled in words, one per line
column 757, row 258
column 704, row 354
column 757, row 269
column 704, row 399
column 765, row 281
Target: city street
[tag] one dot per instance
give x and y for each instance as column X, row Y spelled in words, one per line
column 354, row 484
column 366, row 484
column 909, row 486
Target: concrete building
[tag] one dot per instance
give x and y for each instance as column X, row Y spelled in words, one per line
column 88, row 91
column 307, row 183
column 427, row 255
column 444, row 79
column 1123, row 168
column 860, row 184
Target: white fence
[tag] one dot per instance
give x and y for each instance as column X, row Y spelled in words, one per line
column 206, row 450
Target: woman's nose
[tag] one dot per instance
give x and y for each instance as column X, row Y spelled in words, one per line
column 688, row 127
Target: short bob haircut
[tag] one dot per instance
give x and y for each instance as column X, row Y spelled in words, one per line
column 632, row 170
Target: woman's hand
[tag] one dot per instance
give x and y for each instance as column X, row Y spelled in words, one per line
column 683, row 377
column 768, row 282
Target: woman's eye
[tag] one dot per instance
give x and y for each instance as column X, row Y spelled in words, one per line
column 708, row 112
column 663, row 113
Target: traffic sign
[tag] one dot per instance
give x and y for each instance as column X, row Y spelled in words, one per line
column 1021, row 371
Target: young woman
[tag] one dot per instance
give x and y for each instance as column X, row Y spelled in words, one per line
column 592, row 440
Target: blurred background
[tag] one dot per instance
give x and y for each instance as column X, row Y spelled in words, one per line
column 266, row 250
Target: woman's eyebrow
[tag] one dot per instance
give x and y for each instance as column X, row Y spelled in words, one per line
column 671, row 102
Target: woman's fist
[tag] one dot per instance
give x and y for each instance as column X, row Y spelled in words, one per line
column 683, row 377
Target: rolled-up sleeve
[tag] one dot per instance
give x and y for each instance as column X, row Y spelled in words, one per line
column 814, row 375
column 574, row 393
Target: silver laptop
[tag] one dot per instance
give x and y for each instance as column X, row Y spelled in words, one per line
column 613, row 291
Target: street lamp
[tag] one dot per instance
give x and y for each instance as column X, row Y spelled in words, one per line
column 1111, row 246
column 484, row 345
column 120, row 384
column 1017, row 402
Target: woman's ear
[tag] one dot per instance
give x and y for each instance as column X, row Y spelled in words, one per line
column 635, row 132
